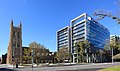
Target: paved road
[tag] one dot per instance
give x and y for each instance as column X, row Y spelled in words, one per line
column 86, row 67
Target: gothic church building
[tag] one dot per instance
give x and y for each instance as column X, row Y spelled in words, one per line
column 15, row 45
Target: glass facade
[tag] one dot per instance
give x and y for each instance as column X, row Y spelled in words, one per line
column 63, row 38
column 96, row 33
column 85, row 28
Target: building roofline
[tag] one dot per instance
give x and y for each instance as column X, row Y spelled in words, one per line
column 78, row 17
column 91, row 18
column 62, row 29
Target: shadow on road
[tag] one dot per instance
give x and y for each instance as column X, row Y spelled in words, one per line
column 5, row 69
column 92, row 69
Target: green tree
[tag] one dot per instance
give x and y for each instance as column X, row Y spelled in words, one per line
column 63, row 54
column 86, row 48
column 101, row 54
column 35, row 47
column 118, row 47
column 26, row 52
column 43, row 53
column 117, row 57
column 40, row 52
column 115, row 46
column 107, row 47
column 80, row 49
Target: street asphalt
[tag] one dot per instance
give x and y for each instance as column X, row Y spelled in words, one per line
column 78, row 67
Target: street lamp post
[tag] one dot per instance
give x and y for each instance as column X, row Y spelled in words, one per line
column 86, row 51
column 32, row 57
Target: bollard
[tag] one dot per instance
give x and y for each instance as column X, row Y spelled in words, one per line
column 16, row 65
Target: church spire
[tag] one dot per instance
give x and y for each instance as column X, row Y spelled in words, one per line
column 11, row 23
column 20, row 24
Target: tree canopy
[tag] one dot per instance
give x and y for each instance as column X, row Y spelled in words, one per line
column 39, row 51
column 81, row 48
column 63, row 54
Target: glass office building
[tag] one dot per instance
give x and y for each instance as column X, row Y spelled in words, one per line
column 63, row 38
column 84, row 27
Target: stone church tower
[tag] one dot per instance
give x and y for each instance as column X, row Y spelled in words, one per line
column 15, row 45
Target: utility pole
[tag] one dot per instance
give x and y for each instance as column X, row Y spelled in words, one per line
column 32, row 57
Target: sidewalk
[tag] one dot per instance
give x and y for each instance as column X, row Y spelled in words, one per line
column 61, row 64
column 46, row 65
column 50, row 65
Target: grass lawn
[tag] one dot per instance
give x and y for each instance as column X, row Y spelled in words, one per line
column 116, row 68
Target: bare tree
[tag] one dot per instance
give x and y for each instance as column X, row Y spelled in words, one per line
column 103, row 13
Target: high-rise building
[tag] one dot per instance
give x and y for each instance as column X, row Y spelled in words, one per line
column 83, row 28
column 15, row 45
column 63, row 38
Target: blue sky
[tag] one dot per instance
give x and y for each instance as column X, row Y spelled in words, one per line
column 42, row 18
